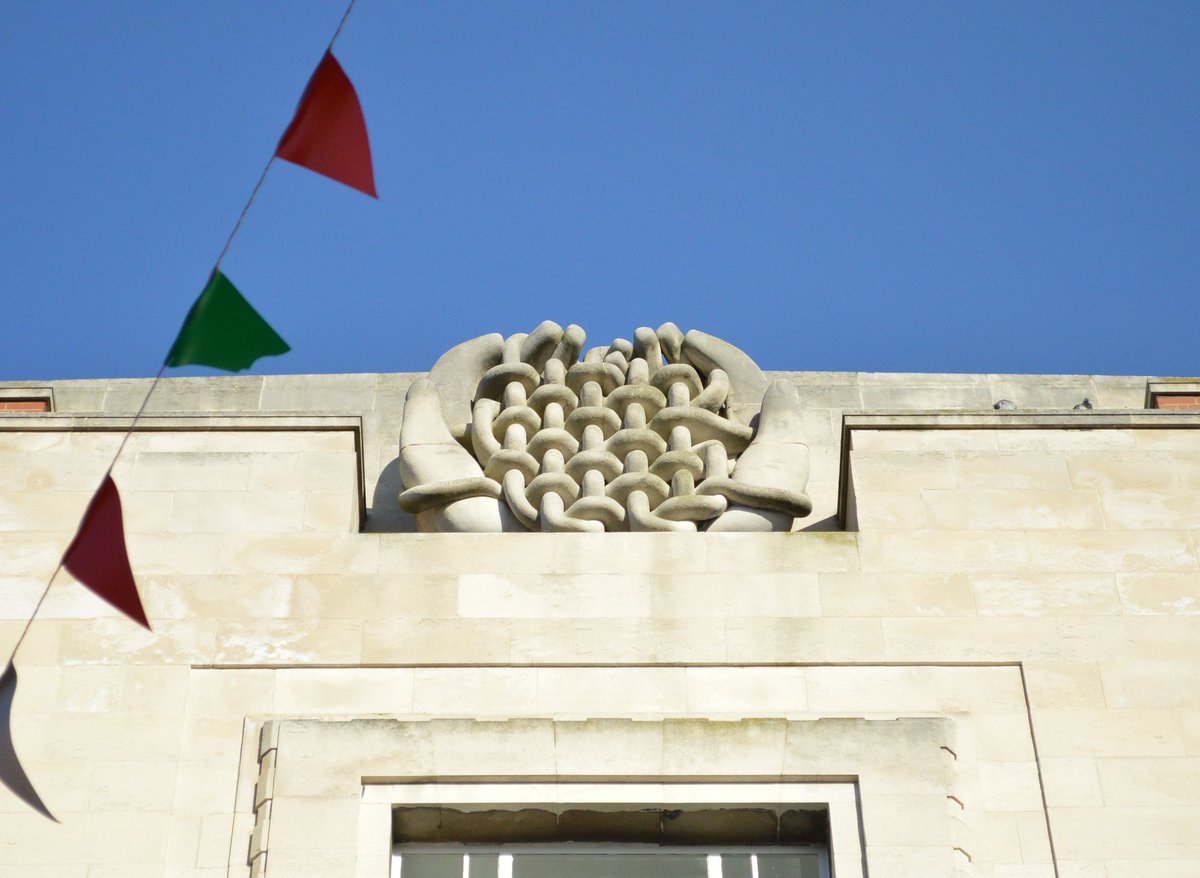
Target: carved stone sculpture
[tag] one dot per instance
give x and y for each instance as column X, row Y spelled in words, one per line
column 668, row 432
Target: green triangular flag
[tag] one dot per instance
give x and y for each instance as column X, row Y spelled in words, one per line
column 224, row 331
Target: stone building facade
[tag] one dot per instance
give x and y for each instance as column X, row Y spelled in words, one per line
column 979, row 655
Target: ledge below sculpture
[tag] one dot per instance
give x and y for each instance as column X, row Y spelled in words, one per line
column 668, row 432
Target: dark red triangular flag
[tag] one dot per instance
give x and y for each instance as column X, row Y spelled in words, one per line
column 328, row 134
column 97, row 555
column 12, row 775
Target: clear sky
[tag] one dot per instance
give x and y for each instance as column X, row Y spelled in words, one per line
column 901, row 186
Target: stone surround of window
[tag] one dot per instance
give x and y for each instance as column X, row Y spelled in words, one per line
column 328, row 790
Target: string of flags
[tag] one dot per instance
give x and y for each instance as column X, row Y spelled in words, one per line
column 327, row 135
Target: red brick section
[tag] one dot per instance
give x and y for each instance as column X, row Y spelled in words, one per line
column 1176, row 401
column 24, row 405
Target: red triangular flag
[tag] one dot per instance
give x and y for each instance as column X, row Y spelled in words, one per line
column 97, row 555
column 12, row 775
column 328, row 134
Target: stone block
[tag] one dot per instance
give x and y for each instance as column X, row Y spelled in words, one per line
column 435, row 641
column 1133, row 638
column 1002, row 736
column 237, row 512
column 58, row 470
column 875, row 690
column 722, row 595
column 1071, row 782
column 1045, row 594
column 1123, row 471
column 947, row 396
column 516, row 748
column 314, row 826
column 746, row 692
column 169, row 553
column 117, row 641
column 803, row 640
column 984, row 638
column 902, row 470
column 331, row 511
column 1050, row 440
column 204, row 788
column 1010, row 786
column 282, row 641
column 1006, row 509
column 902, row 819
column 496, row 595
column 191, row 471
column 374, row 596
column 218, row 393
column 230, row 693
column 584, row 641
column 1188, row 465
column 612, row 691
column 514, row 553
column 128, row 838
column 745, row 553
column 307, row 553
column 980, row 689
column 631, row 553
column 1174, row 868
column 12, row 441
column 183, row 839
column 1150, row 781
column 42, row 510
column 943, row 441
column 329, row 470
column 1183, row 440
column 1152, row 684
column 941, row 551
column 216, row 840
column 89, row 688
column 1028, row 471
column 1167, row 594
column 1142, row 834
column 475, row 692
column 356, row 691
column 888, row 510
column 617, row 749
column 325, row 394
column 1146, row 510
column 216, row 597
column 1063, row 684
column 1109, row 733
column 694, row 747
column 1113, row 551
column 896, row 594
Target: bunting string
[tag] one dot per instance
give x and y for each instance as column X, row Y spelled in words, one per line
column 327, row 135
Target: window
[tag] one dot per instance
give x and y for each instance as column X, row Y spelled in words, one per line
column 601, row 861
column 704, row 842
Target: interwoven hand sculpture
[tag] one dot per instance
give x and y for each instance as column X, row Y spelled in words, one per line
column 519, row 434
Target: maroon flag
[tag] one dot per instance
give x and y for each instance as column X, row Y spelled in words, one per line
column 328, row 133
column 12, row 775
column 97, row 555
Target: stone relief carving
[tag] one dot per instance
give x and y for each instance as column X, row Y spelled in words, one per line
column 667, row 432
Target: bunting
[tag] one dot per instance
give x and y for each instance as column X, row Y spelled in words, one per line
column 224, row 331
column 97, row 556
column 328, row 134
column 12, row 774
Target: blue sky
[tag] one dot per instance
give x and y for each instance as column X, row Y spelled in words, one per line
column 926, row 186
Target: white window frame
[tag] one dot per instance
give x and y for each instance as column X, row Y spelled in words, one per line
column 837, row 798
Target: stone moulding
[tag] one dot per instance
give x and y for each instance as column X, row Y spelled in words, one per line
column 667, row 432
